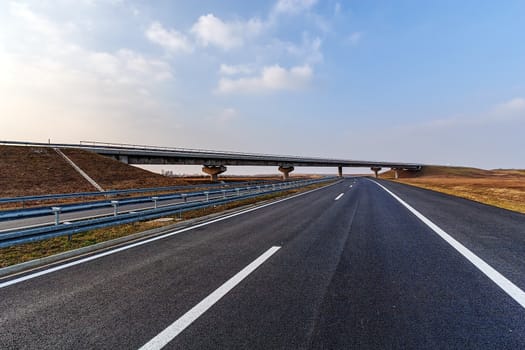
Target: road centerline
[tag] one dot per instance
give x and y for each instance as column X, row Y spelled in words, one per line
column 169, row 333
column 501, row 281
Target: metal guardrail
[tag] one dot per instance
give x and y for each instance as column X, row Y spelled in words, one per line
column 16, row 214
column 15, row 237
column 22, row 199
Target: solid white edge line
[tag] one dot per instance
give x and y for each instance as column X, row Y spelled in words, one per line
column 169, row 234
column 508, row 287
column 339, row 197
column 168, row 334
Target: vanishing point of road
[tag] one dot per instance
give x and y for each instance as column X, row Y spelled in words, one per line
column 360, row 264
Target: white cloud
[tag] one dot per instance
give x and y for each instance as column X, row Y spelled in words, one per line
column 337, row 8
column 34, row 22
column 514, row 105
column 354, row 38
column 272, row 78
column 309, row 50
column 226, row 69
column 50, row 85
column 293, row 6
column 211, row 30
column 171, row 40
column 227, row 115
column 126, row 66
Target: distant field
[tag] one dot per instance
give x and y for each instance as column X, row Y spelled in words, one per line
column 501, row 188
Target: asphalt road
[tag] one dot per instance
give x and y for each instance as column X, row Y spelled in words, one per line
column 357, row 270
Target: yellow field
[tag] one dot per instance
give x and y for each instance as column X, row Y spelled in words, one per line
column 500, row 188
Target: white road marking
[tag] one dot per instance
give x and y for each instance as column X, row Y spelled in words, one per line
column 339, row 197
column 168, row 334
column 508, row 287
column 169, row 234
column 350, row 186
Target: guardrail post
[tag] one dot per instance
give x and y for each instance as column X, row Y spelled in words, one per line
column 57, row 211
column 258, row 189
column 207, row 196
column 238, row 192
column 273, row 187
column 155, row 199
column 184, row 195
column 115, row 207
column 223, row 193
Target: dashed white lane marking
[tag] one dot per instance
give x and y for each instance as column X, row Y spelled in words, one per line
column 168, row 334
column 510, row 288
column 339, row 197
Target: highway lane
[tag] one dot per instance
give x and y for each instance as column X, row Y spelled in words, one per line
column 494, row 234
column 357, row 272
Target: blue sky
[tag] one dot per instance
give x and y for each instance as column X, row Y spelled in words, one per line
column 439, row 82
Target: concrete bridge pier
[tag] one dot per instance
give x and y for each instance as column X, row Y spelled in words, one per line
column 286, row 170
column 376, row 170
column 214, row 171
column 396, row 173
column 340, row 171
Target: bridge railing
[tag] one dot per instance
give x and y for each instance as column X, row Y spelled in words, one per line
column 192, row 150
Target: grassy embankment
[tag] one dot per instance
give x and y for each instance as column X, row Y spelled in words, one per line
column 501, row 188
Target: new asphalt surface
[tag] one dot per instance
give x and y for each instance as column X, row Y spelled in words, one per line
column 356, row 270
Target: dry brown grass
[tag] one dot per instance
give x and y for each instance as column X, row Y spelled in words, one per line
column 500, row 188
column 114, row 175
column 25, row 252
column 36, row 171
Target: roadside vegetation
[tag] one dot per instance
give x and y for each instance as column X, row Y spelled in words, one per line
column 501, row 188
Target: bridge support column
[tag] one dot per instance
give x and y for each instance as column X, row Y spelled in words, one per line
column 124, row 159
column 286, row 170
column 376, row 170
column 340, row 171
column 396, row 173
column 214, row 171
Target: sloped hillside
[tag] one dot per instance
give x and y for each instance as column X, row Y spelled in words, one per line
column 112, row 174
column 26, row 171
column 440, row 171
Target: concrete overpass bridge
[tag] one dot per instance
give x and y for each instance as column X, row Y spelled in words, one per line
column 216, row 162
